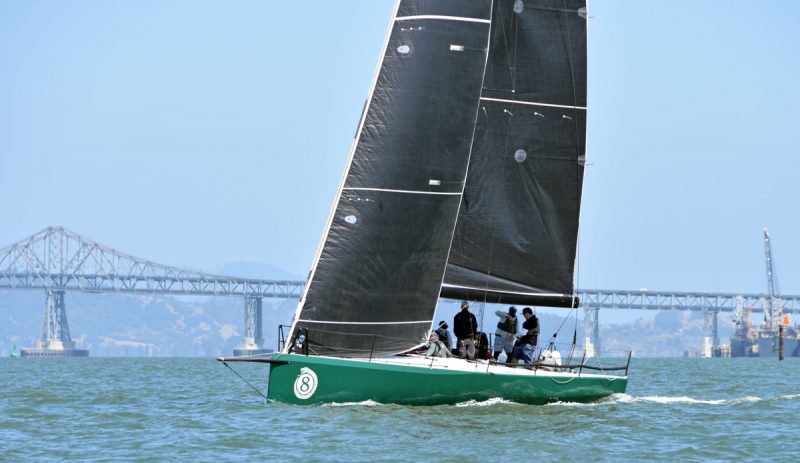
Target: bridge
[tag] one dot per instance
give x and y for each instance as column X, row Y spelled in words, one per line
column 711, row 304
column 57, row 260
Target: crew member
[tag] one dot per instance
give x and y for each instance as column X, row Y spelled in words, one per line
column 506, row 333
column 436, row 348
column 465, row 327
column 526, row 346
column 444, row 334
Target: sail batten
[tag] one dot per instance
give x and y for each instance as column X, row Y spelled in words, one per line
column 344, row 322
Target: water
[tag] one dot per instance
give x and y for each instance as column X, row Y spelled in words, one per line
column 110, row 410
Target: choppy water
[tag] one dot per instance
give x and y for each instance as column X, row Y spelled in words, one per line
column 102, row 409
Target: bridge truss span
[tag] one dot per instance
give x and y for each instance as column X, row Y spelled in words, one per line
column 697, row 301
column 58, row 258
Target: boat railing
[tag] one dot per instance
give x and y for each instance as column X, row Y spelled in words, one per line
column 545, row 361
column 575, row 360
column 282, row 337
column 306, row 342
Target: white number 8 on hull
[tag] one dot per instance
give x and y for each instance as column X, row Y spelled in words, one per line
column 306, row 383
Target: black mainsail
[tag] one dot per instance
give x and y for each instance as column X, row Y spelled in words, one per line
column 375, row 284
column 517, row 230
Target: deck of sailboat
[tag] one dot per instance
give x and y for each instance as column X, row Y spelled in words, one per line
column 480, row 366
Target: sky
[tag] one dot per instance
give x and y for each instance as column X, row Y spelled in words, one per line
column 203, row 133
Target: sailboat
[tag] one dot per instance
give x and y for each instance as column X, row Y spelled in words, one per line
column 463, row 182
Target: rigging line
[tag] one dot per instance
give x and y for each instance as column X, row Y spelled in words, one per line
column 516, row 43
column 493, row 227
column 512, row 72
column 246, row 381
column 555, row 335
column 505, row 44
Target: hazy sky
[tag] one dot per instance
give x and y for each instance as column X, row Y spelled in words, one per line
column 201, row 133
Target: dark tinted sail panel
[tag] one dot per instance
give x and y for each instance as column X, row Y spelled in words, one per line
column 540, row 54
column 375, row 284
column 460, row 8
column 418, row 130
column 516, row 237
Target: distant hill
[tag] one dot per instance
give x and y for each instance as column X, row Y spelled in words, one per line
column 133, row 325
column 255, row 270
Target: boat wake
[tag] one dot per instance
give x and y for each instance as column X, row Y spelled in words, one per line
column 673, row 400
column 610, row 400
column 625, row 398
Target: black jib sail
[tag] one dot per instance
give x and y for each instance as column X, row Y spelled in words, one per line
column 375, row 284
column 517, row 230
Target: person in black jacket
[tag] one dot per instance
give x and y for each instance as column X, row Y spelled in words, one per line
column 526, row 346
column 465, row 327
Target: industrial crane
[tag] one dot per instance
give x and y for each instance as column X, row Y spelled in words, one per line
column 774, row 314
column 744, row 342
column 772, row 280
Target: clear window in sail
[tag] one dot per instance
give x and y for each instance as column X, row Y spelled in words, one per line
column 520, row 155
column 404, row 49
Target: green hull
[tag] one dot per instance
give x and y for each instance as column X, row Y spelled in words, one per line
column 314, row 380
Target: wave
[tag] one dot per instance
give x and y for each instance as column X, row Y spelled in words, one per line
column 363, row 403
column 484, row 403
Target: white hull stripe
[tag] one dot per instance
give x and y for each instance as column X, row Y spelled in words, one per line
column 531, row 103
column 471, row 288
column 405, row 191
column 445, row 18
column 364, row 323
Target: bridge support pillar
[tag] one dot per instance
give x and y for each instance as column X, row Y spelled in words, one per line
column 55, row 340
column 710, row 333
column 591, row 329
column 253, row 342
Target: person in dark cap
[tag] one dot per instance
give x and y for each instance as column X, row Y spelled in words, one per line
column 526, row 347
column 465, row 327
column 444, row 334
column 506, row 333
